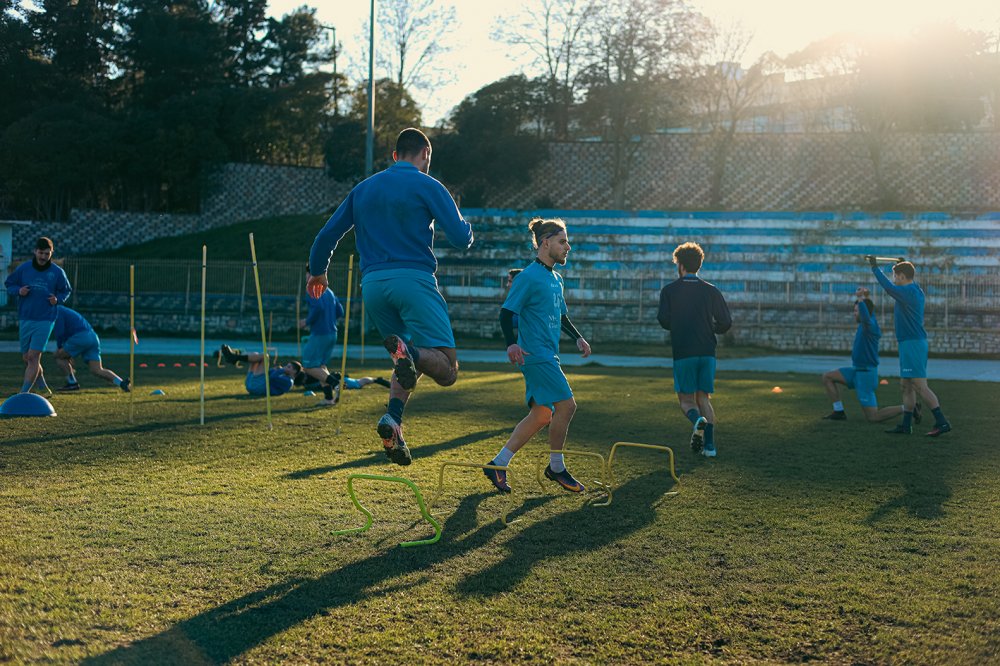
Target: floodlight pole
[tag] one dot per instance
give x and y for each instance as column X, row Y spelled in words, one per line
column 370, row 136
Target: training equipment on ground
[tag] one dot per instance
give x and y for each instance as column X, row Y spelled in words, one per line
column 777, row 389
column 201, row 371
column 347, row 329
column 369, row 517
column 157, row 392
column 472, row 465
column 654, row 447
column 26, row 404
column 263, row 334
column 132, row 339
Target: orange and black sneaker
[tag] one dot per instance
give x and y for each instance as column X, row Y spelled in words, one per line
column 391, row 432
column 498, row 477
column 406, row 371
column 564, row 479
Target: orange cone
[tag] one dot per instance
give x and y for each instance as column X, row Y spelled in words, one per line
column 777, row 389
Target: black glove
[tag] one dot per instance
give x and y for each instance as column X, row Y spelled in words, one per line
column 871, row 260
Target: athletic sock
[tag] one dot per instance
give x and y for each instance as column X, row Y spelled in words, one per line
column 26, row 386
column 396, row 409
column 116, row 380
column 838, row 406
column 907, row 419
column 71, row 378
column 557, row 463
column 710, row 435
column 939, row 418
column 327, row 392
column 693, row 415
column 503, row 458
column 243, row 357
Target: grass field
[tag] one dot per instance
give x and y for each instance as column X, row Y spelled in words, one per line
column 167, row 542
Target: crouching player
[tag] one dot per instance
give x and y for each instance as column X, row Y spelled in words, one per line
column 862, row 376
column 75, row 337
column 536, row 298
column 282, row 378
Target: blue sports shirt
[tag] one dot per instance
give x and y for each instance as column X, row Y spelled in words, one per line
column 908, row 311
column 323, row 313
column 864, row 353
column 35, row 306
column 393, row 215
column 536, row 297
column 69, row 322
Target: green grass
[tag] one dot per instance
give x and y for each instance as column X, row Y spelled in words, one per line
column 805, row 540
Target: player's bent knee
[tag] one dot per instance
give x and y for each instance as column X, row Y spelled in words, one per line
column 449, row 379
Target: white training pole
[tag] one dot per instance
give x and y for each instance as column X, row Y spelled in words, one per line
column 263, row 335
column 201, row 364
column 131, row 342
column 343, row 359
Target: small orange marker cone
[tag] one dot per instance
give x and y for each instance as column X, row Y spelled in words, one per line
column 192, row 365
column 143, row 365
column 884, row 382
column 161, row 365
column 777, row 389
column 178, row 365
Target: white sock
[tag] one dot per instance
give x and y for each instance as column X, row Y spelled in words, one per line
column 838, row 406
column 503, row 458
column 556, row 462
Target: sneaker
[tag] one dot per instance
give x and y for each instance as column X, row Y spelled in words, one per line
column 939, row 429
column 326, row 403
column 708, row 451
column 836, row 416
column 918, row 415
column 383, row 382
column 231, row 355
column 498, row 477
column 698, row 434
column 126, row 385
column 406, row 372
column 391, row 433
column 74, row 386
column 901, row 430
column 564, row 479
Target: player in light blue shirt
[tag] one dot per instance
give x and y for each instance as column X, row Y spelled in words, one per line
column 321, row 345
column 536, row 299
column 76, row 337
column 913, row 349
column 393, row 214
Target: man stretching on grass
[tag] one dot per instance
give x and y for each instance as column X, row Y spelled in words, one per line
column 536, row 298
column 912, row 340
column 393, row 214
column 282, row 379
column 75, row 337
column 863, row 373
column 324, row 312
column 694, row 311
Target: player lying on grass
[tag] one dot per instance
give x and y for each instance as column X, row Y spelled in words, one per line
column 536, row 299
column 281, row 378
column 350, row 383
column 75, row 337
column 862, row 375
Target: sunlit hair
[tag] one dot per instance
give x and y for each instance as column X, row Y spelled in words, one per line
column 906, row 269
column 689, row 255
column 514, row 272
column 541, row 229
column 410, row 142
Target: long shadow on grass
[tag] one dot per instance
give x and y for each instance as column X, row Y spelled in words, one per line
column 379, row 457
column 587, row 528
column 222, row 634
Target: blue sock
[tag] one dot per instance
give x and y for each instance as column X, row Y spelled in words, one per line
column 396, row 409
column 693, row 415
column 710, row 435
column 907, row 420
column 939, row 418
column 26, row 386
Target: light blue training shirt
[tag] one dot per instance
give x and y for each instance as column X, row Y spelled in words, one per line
column 536, row 297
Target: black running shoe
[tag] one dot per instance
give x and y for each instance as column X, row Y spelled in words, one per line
column 231, row 355
column 391, row 433
column 381, row 381
column 406, row 372
column 900, row 430
column 73, row 386
column 836, row 416
column 564, row 479
column 126, row 385
column 498, row 477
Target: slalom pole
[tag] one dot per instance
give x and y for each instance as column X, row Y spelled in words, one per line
column 270, row 330
column 263, row 334
column 298, row 331
column 362, row 328
column 131, row 342
column 347, row 329
column 201, row 364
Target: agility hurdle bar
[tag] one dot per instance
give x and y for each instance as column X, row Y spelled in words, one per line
column 670, row 454
column 369, row 517
column 263, row 333
column 347, row 330
column 440, row 486
column 605, row 484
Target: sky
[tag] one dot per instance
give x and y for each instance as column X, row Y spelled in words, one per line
column 783, row 26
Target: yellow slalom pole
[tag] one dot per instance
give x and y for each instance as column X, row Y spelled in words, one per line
column 298, row 331
column 347, row 328
column 270, row 327
column 131, row 341
column 263, row 334
column 362, row 331
column 201, row 363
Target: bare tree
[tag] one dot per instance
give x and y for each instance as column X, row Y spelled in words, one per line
column 413, row 36
column 555, row 33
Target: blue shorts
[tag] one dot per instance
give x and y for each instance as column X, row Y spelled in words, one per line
column 319, row 349
column 34, row 334
column 255, row 384
column 85, row 345
column 545, row 384
column 693, row 374
column 864, row 381
column 913, row 359
column 409, row 305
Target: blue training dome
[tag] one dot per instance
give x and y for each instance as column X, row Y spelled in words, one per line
column 26, row 404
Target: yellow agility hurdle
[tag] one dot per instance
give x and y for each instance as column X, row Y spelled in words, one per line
column 440, row 486
column 369, row 516
column 670, row 454
column 604, row 484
